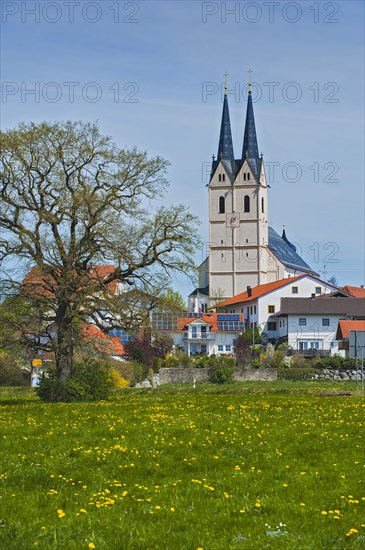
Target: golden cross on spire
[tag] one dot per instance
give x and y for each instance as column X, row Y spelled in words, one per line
column 226, row 75
column 250, row 71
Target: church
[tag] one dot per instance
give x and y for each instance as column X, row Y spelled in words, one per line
column 244, row 251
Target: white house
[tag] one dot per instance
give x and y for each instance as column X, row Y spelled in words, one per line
column 208, row 333
column 261, row 304
column 312, row 323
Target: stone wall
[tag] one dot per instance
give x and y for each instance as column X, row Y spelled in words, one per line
column 336, row 374
column 187, row 376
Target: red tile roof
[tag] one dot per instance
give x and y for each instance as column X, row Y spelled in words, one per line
column 258, row 291
column 36, row 283
column 209, row 318
column 102, row 342
column 344, row 327
column 355, row 291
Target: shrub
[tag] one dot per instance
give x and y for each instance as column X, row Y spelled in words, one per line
column 296, row 373
column 333, row 361
column 12, row 374
column 91, row 380
column 222, row 369
column 118, row 380
column 202, row 362
column 299, row 362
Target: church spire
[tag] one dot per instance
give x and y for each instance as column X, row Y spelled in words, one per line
column 225, row 147
column 250, row 150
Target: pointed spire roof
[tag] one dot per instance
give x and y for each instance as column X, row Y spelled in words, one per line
column 285, row 238
column 225, row 147
column 250, row 150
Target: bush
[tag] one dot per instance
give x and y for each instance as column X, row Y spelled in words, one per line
column 222, row 369
column 91, row 380
column 296, row 373
column 11, row 374
column 334, row 362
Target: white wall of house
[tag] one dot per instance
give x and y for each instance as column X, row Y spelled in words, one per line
column 195, row 341
column 313, row 331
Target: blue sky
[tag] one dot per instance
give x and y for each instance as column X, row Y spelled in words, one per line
column 151, row 74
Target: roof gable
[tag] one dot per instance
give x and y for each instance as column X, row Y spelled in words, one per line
column 345, row 326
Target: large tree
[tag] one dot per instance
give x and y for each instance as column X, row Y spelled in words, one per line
column 72, row 201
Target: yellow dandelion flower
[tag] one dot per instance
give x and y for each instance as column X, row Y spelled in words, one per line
column 324, row 513
column 61, row 513
column 91, row 545
column 172, row 509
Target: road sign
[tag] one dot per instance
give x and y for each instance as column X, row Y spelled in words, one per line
column 357, row 343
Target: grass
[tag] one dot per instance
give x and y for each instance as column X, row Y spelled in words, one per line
column 255, row 465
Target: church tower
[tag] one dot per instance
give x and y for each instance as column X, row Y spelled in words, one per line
column 238, row 212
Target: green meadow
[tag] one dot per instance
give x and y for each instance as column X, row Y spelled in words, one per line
column 255, row 465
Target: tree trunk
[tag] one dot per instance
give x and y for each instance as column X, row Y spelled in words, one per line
column 64, row 349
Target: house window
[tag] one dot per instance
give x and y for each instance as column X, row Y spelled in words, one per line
column 248, row 176
column 228, row 348
column 254, row 309
column 251, row 310
column 246, row 204
column 318, row 289
column 271, row 326
column 303, row 346
column 314, row 344
column 223, row 177
column 220, row 177
column 262, row 205
column 244, row 177
column 222, row 206
column 271, row 309
column 302, row 321
column 294, row 290
column 203, row 348
column 325, row 322
column 220, row 347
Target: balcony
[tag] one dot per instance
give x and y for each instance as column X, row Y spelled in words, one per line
column 199, row 336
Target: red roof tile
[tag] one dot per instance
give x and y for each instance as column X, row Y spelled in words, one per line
column 355, row 291
column 209, row 318
column 258, row 291
column 102, row 342
column 344, row 327
column 36, row 283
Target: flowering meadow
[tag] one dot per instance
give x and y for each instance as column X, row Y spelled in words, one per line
column 180, row 468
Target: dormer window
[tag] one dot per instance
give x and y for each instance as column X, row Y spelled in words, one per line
column 220, row 177
column 244, row 177
column 248, row 176
column 223, row 177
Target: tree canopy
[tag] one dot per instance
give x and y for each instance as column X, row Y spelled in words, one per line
column 80, row 212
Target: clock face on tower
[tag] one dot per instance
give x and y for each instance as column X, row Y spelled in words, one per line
column 233, row 220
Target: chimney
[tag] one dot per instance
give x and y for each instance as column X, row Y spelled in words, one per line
column 249, row 291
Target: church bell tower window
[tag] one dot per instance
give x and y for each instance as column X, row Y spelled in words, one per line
column 246, row 204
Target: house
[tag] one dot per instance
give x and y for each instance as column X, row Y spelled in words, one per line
column 208, row 333
column 312, row 323
column 343, row 332
column 260, row 304
column 355, row 291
